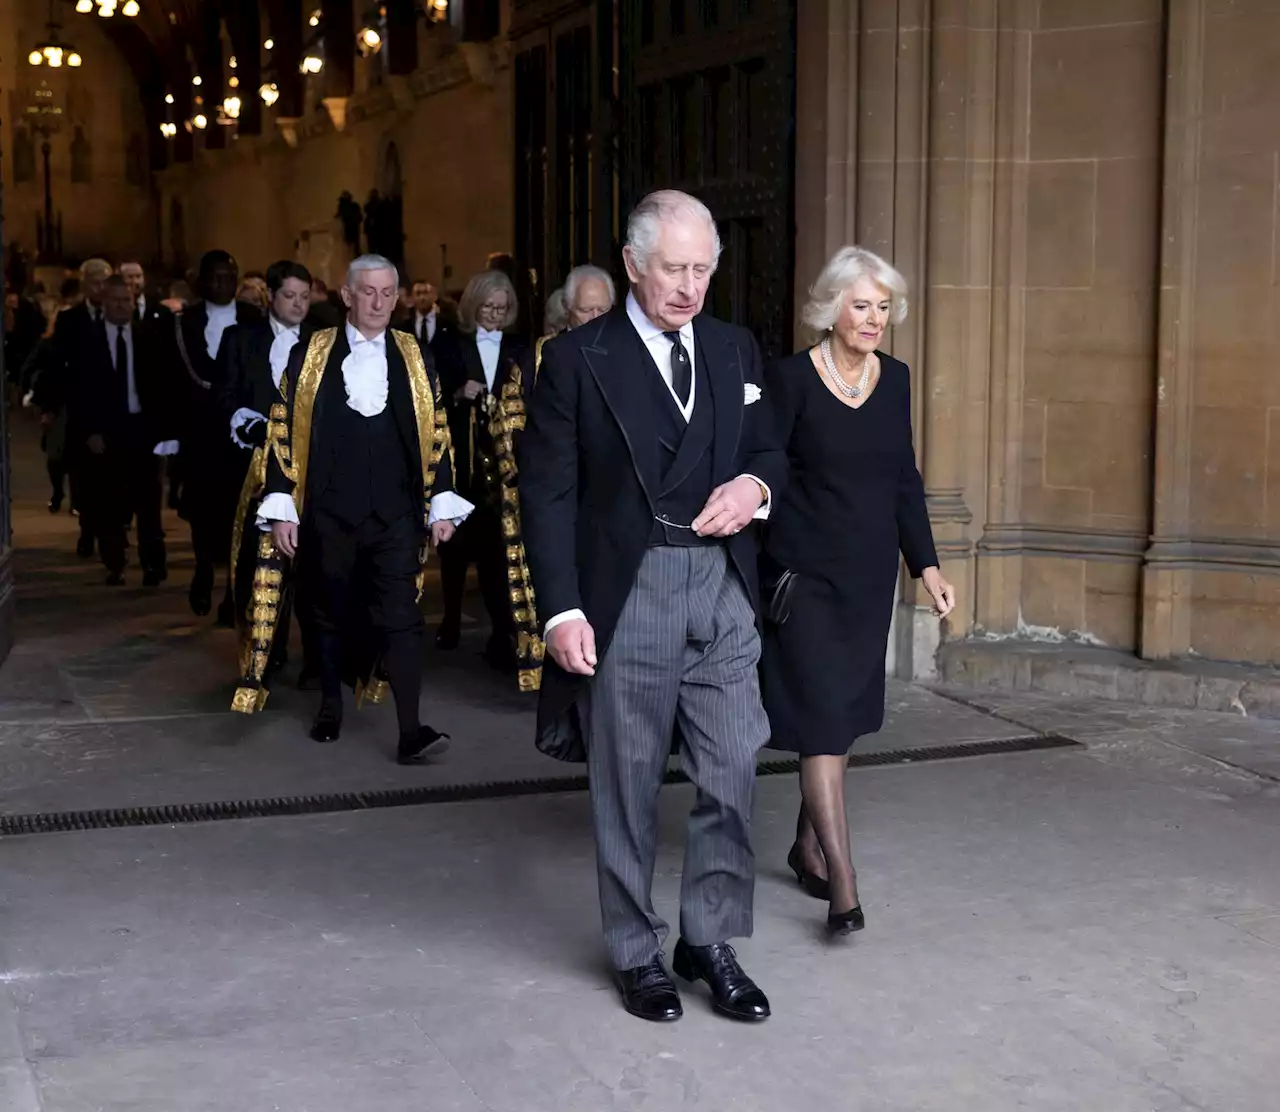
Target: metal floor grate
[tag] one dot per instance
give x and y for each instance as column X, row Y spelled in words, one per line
column 52, row 822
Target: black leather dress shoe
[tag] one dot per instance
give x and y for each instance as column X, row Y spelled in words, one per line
column 227, row 613
column 84, row 546
column 153, row 577
column 649, row 993
column 200, row 596
column 500, row 654
column 327, row 726
column 115, row 579
column 733, row 993
column 448, row 635
column 418, row 750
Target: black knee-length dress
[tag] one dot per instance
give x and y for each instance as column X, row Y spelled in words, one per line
column 855, row 500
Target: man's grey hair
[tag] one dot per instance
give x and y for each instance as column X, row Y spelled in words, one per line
column 658, row 208
column 555, row 314
column 94, row 268
column 370, row 262
column 588, row 273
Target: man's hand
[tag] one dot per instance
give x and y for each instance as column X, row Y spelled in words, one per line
column 572, row 645
column 470, row 390
column 441, row 532
column 97, row 445
column 729, row 509
column 285, row 534
column 942, row 593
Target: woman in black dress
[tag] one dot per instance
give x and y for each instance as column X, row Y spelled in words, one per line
column 854, row 502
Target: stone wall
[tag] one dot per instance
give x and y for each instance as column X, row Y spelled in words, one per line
column 276, row 196
column 113, row 212
column 1084, row 197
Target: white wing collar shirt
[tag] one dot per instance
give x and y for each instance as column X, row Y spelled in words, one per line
column 364, row 376
column 489, row 344
column 220, row 318
column 655, row 339
column 284, row 337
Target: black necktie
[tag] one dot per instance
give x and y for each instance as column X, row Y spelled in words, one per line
column 422, row 331
column 681, row 368
column 122, row 357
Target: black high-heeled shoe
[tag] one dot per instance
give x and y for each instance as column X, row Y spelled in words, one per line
column 813, row 884
column 846, row 922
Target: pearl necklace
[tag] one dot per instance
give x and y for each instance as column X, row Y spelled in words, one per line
column 837, row 379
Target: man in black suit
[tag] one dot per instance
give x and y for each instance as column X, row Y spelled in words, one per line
column 146, row 304
column 476, row 364
column 212, row 465
column 250, row 375
column 119, row 422
column 366, row 484
column 648, row 451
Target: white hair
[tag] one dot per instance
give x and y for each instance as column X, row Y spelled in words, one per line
column 588, row 273
column 370, row 262
column 827, row 294
column 658, row 208
column 95, row 268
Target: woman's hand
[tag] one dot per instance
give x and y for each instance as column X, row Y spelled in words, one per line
column 942, row 593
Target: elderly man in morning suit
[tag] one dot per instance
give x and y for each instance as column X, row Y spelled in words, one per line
column 649, row 449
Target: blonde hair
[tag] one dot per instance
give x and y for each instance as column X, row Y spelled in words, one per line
column 844, row 268
column 478, row 291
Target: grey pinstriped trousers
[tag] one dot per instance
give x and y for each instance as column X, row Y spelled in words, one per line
column 685, row 650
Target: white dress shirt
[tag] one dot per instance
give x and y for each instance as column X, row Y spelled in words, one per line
column 140, row 306
column 430, row 320
column 659, row 346
column 489, row 344
column 286, row 335
column 364, row 374
column 220, row 318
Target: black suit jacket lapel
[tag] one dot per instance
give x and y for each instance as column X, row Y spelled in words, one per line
column 724, row 379
column 470, row 346
column 615, row 357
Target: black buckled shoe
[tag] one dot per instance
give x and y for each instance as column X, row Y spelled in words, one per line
column 448, row 635
column 648, row 992
column 328, row 725
column 418, row 750
column 733, row 993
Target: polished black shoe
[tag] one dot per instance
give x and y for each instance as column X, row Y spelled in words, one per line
column 845, row 922
column 817, row 887
column 500, row 654
column 448, row 635
column 84, row 546
column 327, row 726
column 153, row 577
column 418, row 750
column 733, row 993
column 55, row 505
column 200, row 596
column 227, row 613
column 115, row 579
column 648, row 992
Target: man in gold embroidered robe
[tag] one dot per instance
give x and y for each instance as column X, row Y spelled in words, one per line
column 589, row 292
column 359, row 481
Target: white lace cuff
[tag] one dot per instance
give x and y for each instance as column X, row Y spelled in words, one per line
column 449, row 506
column 276, row 507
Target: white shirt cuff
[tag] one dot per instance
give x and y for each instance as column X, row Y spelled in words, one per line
column 276, row 507
column 449, row 506
column 242, row 419
column 762, row 514
column 166, row 448
column 567, row 616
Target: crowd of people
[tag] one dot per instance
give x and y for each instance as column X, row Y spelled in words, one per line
column 679, row 547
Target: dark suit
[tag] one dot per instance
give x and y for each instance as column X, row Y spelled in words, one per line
column 479, row 539
column 609, row 467
column 212, row 466
column 363, row 524
column 123, row 481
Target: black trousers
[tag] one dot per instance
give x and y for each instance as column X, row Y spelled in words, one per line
column 478, row 541
column 213, row 472
column 365, row 577
column 121, row 483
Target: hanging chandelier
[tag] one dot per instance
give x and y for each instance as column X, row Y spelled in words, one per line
column 53, row 51
column 108, row 8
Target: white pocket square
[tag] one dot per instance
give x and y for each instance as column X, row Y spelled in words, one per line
column 750, row 393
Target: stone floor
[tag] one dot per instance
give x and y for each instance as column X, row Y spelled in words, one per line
column 1089, row 929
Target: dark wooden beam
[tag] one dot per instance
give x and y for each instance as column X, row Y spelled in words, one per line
column 339, row 21
column 245, row 25
column 211, row 86
column 402, row 37
column 286, row 30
